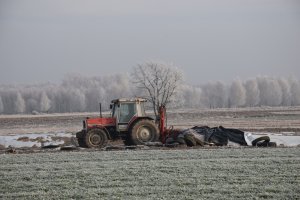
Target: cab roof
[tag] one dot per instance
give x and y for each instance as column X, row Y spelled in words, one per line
column 127, row 100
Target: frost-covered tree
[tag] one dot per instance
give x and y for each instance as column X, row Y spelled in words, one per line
column 79, row 93
column 191, row 96
column 94, row 96
column 159, row 81
column 295, row 92
column 1, row 106
column 275, row 97
column 214, row 95
column 117, row 86
column 77, row 101
column 8, row 99
column 270, row 91
column 252, row 93
column 286, row 92
column 70, row 100
column 45, row 102
column 237, row 94
column 101, row 89
column 206, row 95
column 32, row 105
column 19, row 103
column 187, row 96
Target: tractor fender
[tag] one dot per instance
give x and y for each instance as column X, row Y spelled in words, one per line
column 136, row 119
column 105, row 130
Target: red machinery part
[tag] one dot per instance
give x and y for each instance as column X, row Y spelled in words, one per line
column 101, row 121
column 162, row 118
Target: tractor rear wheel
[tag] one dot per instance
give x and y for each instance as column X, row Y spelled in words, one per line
column 95, row 138
column 143, row 131
column 127, row 141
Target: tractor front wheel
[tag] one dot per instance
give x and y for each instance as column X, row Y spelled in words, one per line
column 80, row 139
column 144, row 131
column 96, row 138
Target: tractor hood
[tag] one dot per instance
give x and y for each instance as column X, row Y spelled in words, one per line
column 101, row 122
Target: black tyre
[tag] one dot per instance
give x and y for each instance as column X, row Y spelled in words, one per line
column 143, row 131
column 190, row 140
column 79, row 134
column 127, row 141
column 181, row 140
column 272, row 144
column 261, row 141
column 81, row 142
column 95, row 138
column 80, row 139
column 198, row 141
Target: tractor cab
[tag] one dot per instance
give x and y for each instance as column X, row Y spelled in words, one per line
column 126, row 111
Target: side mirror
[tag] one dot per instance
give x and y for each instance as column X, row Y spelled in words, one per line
column 110, row 106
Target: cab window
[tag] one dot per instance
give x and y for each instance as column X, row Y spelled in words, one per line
column 127, row 111
column 114, row 111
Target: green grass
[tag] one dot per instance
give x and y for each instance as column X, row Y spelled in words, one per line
column 246, row 173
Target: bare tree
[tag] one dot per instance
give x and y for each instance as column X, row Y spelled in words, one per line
column 159, row 81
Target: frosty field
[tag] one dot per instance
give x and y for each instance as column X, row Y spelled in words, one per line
column 225, row 173
column 200, row 173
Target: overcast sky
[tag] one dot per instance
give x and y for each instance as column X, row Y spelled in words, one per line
column 210, row 40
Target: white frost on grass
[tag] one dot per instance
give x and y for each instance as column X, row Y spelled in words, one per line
column 240, row 173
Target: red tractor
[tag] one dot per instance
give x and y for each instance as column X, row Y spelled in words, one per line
column 128, row 121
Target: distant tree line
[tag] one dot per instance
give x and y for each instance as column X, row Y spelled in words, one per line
column 83, row 94
column 260, row 91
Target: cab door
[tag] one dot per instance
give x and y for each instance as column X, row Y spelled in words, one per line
column 126, row 112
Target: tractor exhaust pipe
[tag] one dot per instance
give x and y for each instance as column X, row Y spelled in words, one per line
column 100, row 106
